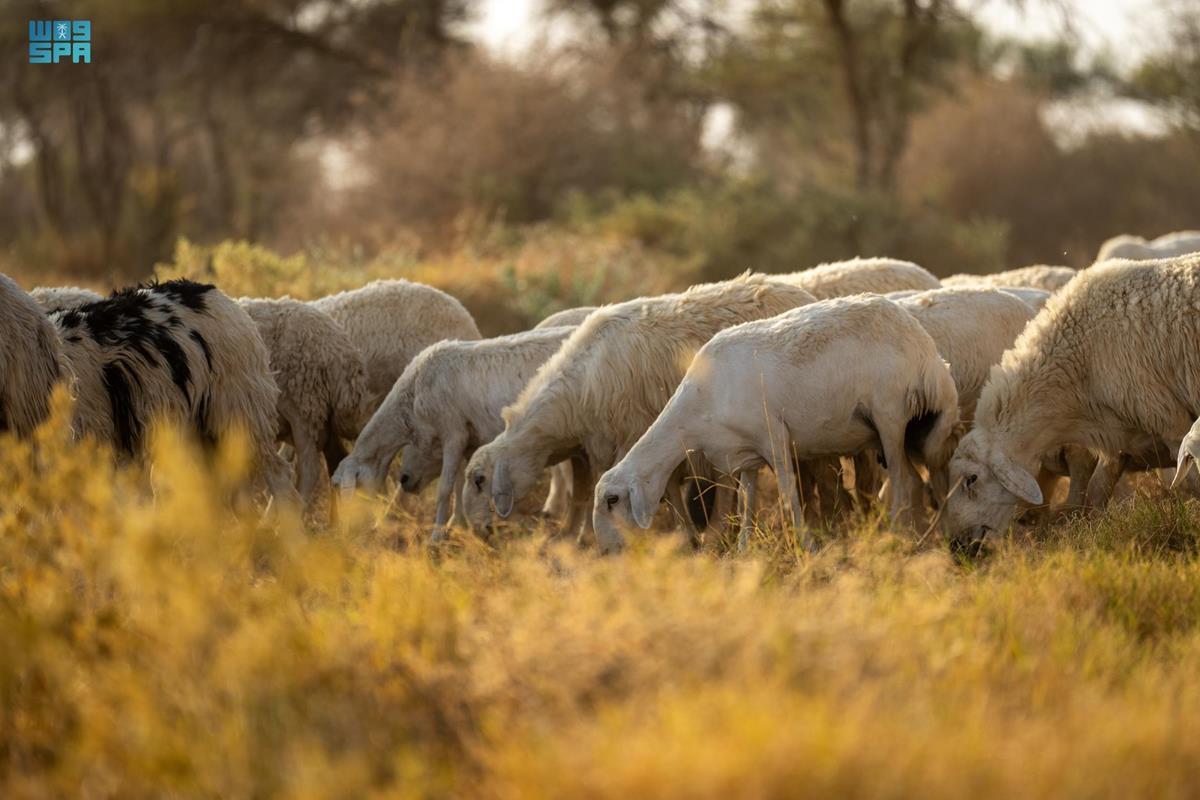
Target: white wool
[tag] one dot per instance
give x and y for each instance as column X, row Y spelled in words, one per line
column 568, row 316
column 858, row 275
column 611, row 378
column 1109, row 365
column 321, row 377
column 1040, row 276
column 971, row 328
column 59, row 298
column 447, row 403
column 390, row 321
column 1136, row 248
column 829, row 379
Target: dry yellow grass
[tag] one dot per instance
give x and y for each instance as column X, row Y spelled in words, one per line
column 168, row 645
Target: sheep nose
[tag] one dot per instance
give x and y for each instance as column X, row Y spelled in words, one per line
column 969, row 544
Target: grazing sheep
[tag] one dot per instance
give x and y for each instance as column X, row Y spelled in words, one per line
column 1135, row 248
column 322, row 381
column 829, row 379
column 177, row 351
column 568, row 316
column 390, row 321
column 29, row 361
column 1034, row 298
column 446, row 404
column 858, row 275
column 972, row 327
column 1109, row 365
column 608, row 382
column 1039, row 276
column 60, row 298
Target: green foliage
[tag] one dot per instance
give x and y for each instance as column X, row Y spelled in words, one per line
column 751, row 224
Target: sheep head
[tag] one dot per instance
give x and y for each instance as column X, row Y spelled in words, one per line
column 989, row 486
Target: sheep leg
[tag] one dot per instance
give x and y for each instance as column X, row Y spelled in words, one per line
column 1104, row 479
column 460, row 515
column 866, row 477
column 677, row 498
column 310, row 470
column 452, row 467
column 580, row 507
column 559, row 498
column 334, row 450
column 905, row 484
column 1081, row 464
column 747, row 501
column 784, row 466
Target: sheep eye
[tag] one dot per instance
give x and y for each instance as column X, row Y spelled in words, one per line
column 970, row 481
column 478, row 481
column 611, row 500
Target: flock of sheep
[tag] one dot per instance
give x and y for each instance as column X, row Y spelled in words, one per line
column 854, row 382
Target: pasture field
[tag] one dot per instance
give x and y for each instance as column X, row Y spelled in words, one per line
column 171, row 645
column 159, row 638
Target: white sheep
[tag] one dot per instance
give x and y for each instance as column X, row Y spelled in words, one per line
column 60, row 298
column 1135, row 248
column 390, row 321
column 608, row 382
column 447, row 403
column 321, row 377
column 839, row 279
column 1109, row 365
column 1040, row 276
column 568, row 316
column 972, row 327
column 857, row 275
column 30, row 362
column 829, row 379
column 176, row 351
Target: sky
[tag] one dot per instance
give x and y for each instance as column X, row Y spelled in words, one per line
column 507, row 26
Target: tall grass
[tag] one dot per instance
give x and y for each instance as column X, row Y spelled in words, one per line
column 155, row 640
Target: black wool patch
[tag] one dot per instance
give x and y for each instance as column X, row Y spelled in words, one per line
column 918, row 429
column 188, row 294
column 201, row 422
column 126, row 425
column 200, row 340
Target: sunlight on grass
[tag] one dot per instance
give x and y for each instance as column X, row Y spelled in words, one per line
column 157, row 639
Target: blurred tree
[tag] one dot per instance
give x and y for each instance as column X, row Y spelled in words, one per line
column 877, row 60
column 1170, row 77
column 190, row 113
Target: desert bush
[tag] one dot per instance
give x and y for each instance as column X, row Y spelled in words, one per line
column 754, row 223
column 509, row 281
column 158, row 643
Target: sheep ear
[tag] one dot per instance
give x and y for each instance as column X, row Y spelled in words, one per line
column 1016, row 479
column 502, row 491
column 640, row 507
